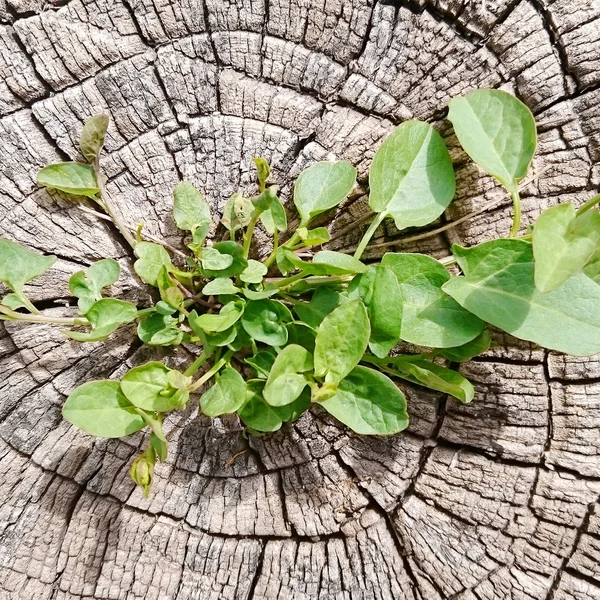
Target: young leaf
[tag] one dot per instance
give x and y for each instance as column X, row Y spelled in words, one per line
column 254, row 272
column 212, row 259
column 88, row 286
column 262, row 362
column 160, row 330
column 411, row 177
column 379, row 291
column 285, row 382
column 101, row 409
column 563, row 243
column 321, row 187
column 429, row 316
column 369, row 403
column 72, row 178
column 469, row 350
column 169, row 292
column 274, row 217
column 497, row 131
column 255, row 412
column 92, row 137
column 342, row 339
column 13, row 302
column 105, row 317
column 283, row 264
column 190, row 210
column 499, row 287
column 324, row 300
column 237, row 213
column 148, row 387
column 226, row 395
column 313, row 237
column 262, row 172
column 236, row 266
column 220, row 285
column 151, row 259
column 215, row 323
column 326, row 262
column 264, row 321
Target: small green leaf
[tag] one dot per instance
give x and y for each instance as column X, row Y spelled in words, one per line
column 160, row 330
column 264, row 200
column 92, row 137
column 264, row 321
column 226, row 395
column 237, row 213
column 342, row 339
column 105, row 317
column 411, row 177
column 236, row 266
column 151, row 259
column 254, row 272
column 302, row 334
column 497, row 131
column 469, row 350
column 72, row 178
column 212, row 259
column 283, row 264
column 274, row 217
column 429, row 316
column 323, row 301
column 563, row 243
column 285, row 382
column 191, row 211
column 148, row 387
column 268, row 290
column 220, row 285
column 255, row 412
column 293, row 411
column 379, row 291
column 101, row 409
column 369, row 403
column 222, row 338
column 262, row 362
column 262, row 172
column 326, row 262
column 313, row 237
column 88, row 286
column 215, row 323
column 13, row 302
column 160, row 446
column 321, row 187
column 592, row 269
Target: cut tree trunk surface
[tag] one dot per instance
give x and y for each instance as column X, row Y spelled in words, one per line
column 494, row 500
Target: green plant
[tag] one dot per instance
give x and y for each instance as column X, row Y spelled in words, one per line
column 277, row 335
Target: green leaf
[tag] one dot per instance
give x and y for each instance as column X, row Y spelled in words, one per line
column 151, row 259
column 237, row 213
column 262, row 172
column 105, row 317
column 499, row 287
column 326, row 262
column 436, row 377
column 223, row 338
column 285, row 382
column 497, row 131
column 293, row 411
column 212, row 259
column 429, row 316
column 160, row 446
column 313, row 237
column 101, row 409
column 469, row 350
column 268, row 290
column 92, row 137
column 283, row 264
column 264, row 321
column 321, row 187
column 262, row 362
column 563, row 243
column 274, row 217
column 72, row 178
column 323, row 301
column 13, row 301
column 88, row 286
column 411, row 177
column 379, row 291
column 236, row 266
column 191, row 211
column 264, row 200
column 255, row 412
column 226, row 395
column 148, row 387
column 342, row 339
column 254, row 272
column 592, row 269
column 369, row 403
column 215, row 323
column 220, row 285
column 302, row 334
column 169, row 292
column 159, row 330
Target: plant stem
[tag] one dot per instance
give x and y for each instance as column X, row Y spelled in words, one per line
column 369, row 234
column 248, row 235
column 283, row 283
column 514, row 230
column 191, row 370
column 144, row 312
column 293, row 240
column 589, row 204
column 11, row 315
column 212, row 371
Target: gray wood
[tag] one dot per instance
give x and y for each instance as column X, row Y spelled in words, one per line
column 495, row 500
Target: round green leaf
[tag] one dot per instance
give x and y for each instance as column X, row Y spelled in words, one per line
column 105, row 317
column 145, row 387
column 285, row 383
column 254, row 272
column 236, row 266
column 264, row 321
column 226, row 395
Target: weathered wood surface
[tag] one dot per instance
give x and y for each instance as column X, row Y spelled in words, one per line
column 496, row 500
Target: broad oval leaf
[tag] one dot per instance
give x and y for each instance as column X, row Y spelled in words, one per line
column 92, row 136
column 498, row 286
column 215, row 323
column 101, row 409
column 236, row 266
column 105, row 317
column 190, row 210
column 342, row 339
column 429, row 316
column 151, row 259
column 369, row 403
column 72, row 178
column 497, row 131
column 220, row 285
column 321, row 187
column 411, row 177
column 226, row 395
column 323, row 301
column 255, row 412
column 264, row 321
column 254, row 272
column 285, row 382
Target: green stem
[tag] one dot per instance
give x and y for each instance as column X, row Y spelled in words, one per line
column 11, row 315
column 293, row 240
column 145, row 312
column 589, row 204
column 193, row 368
column 283, row 283
column 369, row 234
column 248, row 235
column 212, row 371
column 514, row 230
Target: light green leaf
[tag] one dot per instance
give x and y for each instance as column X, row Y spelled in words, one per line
column 226, row 395
column 321, row 187
column 262, row 172
column 101, row 409
column 215, row 323
column 264, row 321
column 13, row 301
column 379, row 291
column 226, row 249
column 159, row 330
column 313, row 237
column 268, row 290
column 563, row 243
column 105, row 317
column 283, row 264
column 88, row 286
column 592, row 269
column 466, row 352
column 369, row 403
column 274, row 217
column 285, row 382
column 497, row 131
column 72, row 178
column 220, row 285
column 342, row 339
column 429, row 316
column 237, row 213
column 212, row 259
column 326, row 262
column 191, row 211
column 255, row 412
column 151, row 259
column 254, row 272
column 92, row 136
column 293, row 411
column 499, row 287
column 411, row 177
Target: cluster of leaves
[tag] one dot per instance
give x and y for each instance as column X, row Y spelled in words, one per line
column 277, row 335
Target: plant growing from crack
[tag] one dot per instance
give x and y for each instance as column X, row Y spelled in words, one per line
column 323, row 331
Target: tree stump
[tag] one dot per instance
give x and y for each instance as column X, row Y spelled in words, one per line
column 494, row 500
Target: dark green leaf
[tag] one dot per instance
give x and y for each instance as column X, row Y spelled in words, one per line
column 302, row 334
column 293, row 411
column 72, row 178
column 226, row 395
column 265, row 320
column 92, row 136
column 262, row 362
column 469, row 350
column 105, row 317
column 151, row 259
column 256, row 413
